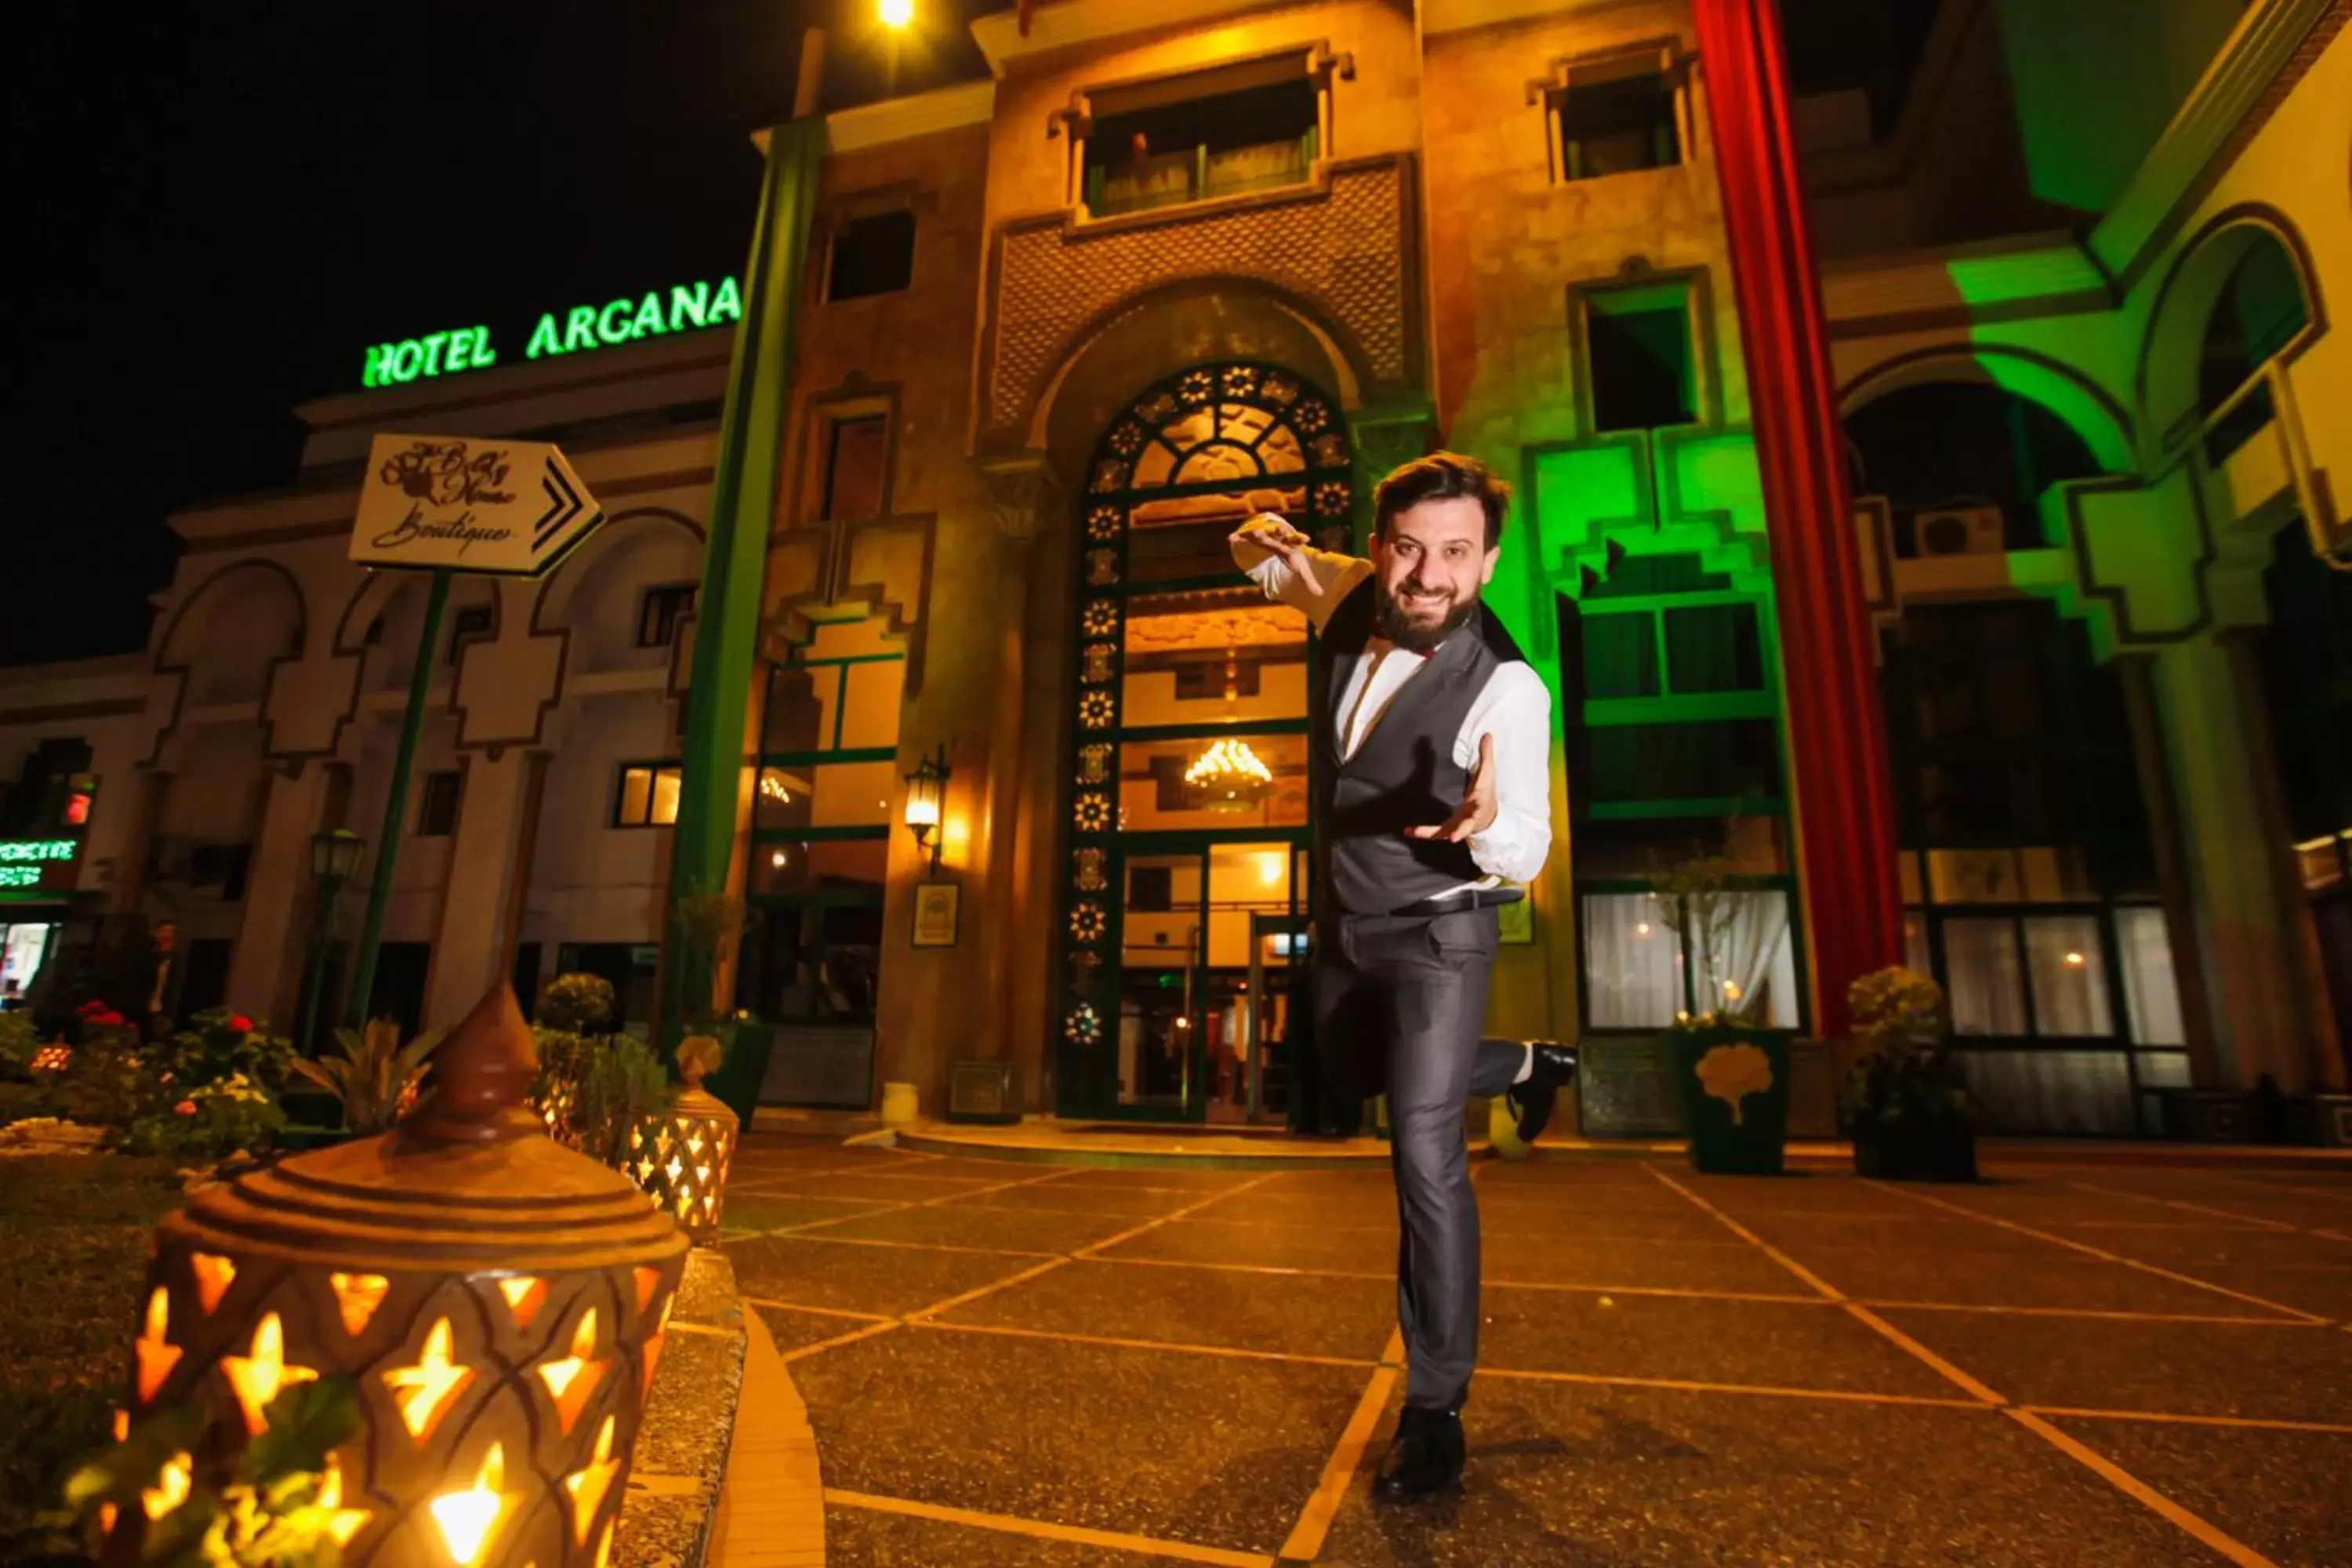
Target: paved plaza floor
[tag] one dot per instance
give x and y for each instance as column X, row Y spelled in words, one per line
column 2118, row 1364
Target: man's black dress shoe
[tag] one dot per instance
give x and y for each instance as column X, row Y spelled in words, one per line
column 1533, row 1099
column 1426, row 1458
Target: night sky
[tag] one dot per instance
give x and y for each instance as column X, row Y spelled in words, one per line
column 217, row 207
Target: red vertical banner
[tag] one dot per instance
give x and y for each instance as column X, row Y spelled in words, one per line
column 1835, row 724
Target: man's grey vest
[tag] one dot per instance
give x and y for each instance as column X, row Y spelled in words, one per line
column 1405, row 774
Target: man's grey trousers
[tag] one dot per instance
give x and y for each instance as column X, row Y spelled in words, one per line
column 1399, row 1005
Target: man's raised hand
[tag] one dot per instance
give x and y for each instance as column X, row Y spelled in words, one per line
column 1476, row 813
column 1270, row 530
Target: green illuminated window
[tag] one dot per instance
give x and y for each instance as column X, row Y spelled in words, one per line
column 1639, row 364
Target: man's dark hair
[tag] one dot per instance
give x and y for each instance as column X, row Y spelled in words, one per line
column 1441, row 476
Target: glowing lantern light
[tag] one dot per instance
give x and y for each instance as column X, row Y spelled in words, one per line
column 428, row 1267
column 680, row 1156
column 1229, row 776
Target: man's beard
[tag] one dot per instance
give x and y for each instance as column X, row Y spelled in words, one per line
column 1418, row 636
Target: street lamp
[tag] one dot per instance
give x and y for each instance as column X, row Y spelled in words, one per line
column 927, row 789
column 334, row 855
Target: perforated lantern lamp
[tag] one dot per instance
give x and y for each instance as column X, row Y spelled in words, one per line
column 497, row 1301
column 680, row 1156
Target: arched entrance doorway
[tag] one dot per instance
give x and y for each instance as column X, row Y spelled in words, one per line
column 1185, row 892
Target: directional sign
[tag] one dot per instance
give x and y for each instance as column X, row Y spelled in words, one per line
column 460, row 503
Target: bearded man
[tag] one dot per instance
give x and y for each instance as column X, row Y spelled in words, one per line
column 1434, row 741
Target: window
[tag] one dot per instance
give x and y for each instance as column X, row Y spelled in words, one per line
column 659, row 614
column 857, row 456
column 1149, row 147
column 1638, row 360
column 872, row 255
column 436, row 805
column 471, row 623
column 2261, row 311
column 1616, row 116
column 647, row 797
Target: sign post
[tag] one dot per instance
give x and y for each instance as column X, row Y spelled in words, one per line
column 446, row 504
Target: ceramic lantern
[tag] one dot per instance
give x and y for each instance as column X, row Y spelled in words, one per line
column 680, row 1156
column 497, row 1301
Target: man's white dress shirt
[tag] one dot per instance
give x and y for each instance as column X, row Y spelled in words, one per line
column 1514, row 708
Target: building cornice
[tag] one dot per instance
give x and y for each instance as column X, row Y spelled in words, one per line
column 1439, row 17
column 904, row 118
column 2032, row 274
column 2273, row 44
column 1074, row 24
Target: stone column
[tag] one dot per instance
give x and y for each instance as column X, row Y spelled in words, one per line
column 2162, row 803
column 1021, row 493
column 489, row 876
column 265, row 968
column 2258, row 1017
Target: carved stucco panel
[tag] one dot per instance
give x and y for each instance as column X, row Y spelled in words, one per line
column 1344, row 249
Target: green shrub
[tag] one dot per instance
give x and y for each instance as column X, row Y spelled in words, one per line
column 577, row 1005
column 622, row 1079
column 19, row 1041
column 212, row 1122
column 221, row 1045
column 374, row 1076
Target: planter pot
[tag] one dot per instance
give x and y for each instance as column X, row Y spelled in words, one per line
column 1943, row 1149
column 743, row 1067
column 1734, row 1085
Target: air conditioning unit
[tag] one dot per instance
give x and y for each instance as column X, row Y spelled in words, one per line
column 1962, row 531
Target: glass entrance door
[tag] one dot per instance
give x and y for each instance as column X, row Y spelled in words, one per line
column 1207, row 936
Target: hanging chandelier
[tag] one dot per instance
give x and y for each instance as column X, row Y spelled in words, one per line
column 1229, row 776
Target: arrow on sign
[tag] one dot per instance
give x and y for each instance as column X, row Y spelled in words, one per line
column 563, row 505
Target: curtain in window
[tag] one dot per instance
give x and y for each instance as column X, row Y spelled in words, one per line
column 1761, row 959
column 1982, row 978
column 2151, row 990
column 1633, row 963
column 2034, row 1091
column 2070, row 976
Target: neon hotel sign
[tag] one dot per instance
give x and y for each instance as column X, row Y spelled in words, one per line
column 581, row 327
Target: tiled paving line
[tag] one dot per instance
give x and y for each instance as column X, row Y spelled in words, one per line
column 2255, row 1221
column 1347, row 1458
column 2031, row 1418
column 1179, row 1550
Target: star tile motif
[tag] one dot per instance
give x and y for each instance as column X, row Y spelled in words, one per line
column 591, row 1481
column 424, row 1389
column 156, row 1355
column 256, row 1378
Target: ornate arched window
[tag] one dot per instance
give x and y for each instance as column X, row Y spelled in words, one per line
column 1186, row 807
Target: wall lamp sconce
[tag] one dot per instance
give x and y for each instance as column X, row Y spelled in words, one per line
column 927, row 789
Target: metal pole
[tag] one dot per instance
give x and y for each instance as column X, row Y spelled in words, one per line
column 328, row 888
column 396, row 807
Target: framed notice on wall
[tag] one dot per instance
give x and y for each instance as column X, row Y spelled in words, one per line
column 937, row 907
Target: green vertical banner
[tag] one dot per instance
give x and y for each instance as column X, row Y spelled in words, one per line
column 743, row 491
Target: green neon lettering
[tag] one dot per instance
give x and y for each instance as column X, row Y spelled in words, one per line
column 648, row 318
column 543, row 340
column 433, row 345
column 606, row 330
column 21, row 850
column 460, row 341
column 688, row 305
column 483, row 353
column 20, row 875
column 405, row 360
column 726, row 305
column 374, row 375
column 580, row 328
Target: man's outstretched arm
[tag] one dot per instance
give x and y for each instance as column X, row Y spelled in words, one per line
column 1280, row 560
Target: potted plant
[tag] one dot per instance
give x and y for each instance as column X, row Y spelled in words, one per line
column 1730, row 1070
column 1906, row 1097
column 707, row 927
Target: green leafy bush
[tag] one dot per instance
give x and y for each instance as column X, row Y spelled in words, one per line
column 577, row 1005
column 211, row 1121
column 1906, row 1071
column 220, row 1044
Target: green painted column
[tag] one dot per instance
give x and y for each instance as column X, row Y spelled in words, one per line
column 743, row 492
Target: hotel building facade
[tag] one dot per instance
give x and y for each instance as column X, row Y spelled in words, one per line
column 1015, row 355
